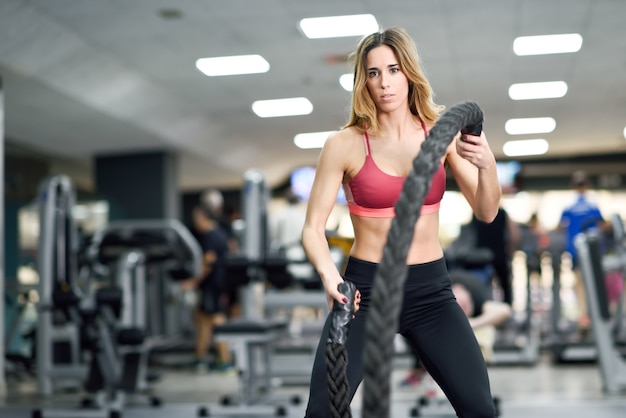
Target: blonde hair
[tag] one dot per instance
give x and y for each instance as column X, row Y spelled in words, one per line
column 363, row 111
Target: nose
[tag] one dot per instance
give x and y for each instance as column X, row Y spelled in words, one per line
column 384, row 80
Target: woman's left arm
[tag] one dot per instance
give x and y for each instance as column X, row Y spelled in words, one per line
column 474, row 167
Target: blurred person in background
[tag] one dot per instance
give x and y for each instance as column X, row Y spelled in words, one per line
column 580, row 216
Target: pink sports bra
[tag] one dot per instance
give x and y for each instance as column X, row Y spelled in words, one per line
column 373, row 193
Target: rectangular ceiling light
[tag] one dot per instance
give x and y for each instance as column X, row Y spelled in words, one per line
column 542, row 90
column 311, row 140
column 338, row 26
column 529, row 126
column 525, row 147
column 234, row 65
column 282, row 107
column 547, row 44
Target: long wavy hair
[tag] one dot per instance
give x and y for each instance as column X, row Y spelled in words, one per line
column 420, row 98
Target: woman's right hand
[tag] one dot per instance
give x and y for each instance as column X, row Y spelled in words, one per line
column 333, row 294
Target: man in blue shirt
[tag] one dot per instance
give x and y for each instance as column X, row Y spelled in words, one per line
column 579, row 217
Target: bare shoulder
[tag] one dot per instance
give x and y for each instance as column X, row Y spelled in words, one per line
column 342, row 144
column 344, row 149
column 342, row 139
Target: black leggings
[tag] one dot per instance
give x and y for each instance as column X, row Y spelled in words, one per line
column 437, row 327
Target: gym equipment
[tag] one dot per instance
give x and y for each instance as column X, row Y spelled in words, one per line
column 57, row 334
column 252, row 337
column 615, row 264
column 254, row 199
column 97, row 340
column 566, row 343
column 593, row 265
column 19, row 345
column 518, row 341
column 112, row 320
column 169, row 251
column 252, row 342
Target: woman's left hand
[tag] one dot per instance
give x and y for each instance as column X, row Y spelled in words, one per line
column 475, row 149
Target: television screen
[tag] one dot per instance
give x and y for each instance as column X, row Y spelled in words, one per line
column 508, row 172
column 302, row 181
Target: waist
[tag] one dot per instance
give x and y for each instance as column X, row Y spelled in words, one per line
column 387, row 212
column 371, row 235
column 363, row 272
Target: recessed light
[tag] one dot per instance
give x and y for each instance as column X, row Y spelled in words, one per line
column 541, row 90
column 282, row 107
column 233, row 65
column 311, row 140
column 525, row 147
column 529, row 126
column 547, row 44
column 338, row 26
column 347, row 81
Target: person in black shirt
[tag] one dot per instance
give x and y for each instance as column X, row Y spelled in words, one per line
column 502, row 237
column 211, row 285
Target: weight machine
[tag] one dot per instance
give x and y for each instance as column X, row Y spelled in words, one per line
column 594, row 267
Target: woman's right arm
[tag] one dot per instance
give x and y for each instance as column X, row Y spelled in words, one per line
column 329, row 174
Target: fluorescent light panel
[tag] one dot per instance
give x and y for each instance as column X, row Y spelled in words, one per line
column 233, row 65
column 529, row 126
column 338, row 26
column 624, row 132
column 542, row 90
column 547, row 44
column 311, row 140
column 282, row 107
column 525, row 147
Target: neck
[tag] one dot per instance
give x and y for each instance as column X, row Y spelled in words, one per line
column 395, row 127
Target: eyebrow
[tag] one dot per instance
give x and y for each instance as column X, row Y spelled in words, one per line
column 389, row 66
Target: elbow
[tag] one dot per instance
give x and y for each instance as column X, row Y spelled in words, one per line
column 487, row 216
column 308, row 236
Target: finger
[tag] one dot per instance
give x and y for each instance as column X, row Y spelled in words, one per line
column 339, row 297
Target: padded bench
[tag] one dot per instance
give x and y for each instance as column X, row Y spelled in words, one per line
column 251, row 340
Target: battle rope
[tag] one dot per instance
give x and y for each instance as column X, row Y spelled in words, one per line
column 336, row 354
column 386, row 299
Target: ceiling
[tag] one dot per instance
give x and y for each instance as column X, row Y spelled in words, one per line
column 98, row 77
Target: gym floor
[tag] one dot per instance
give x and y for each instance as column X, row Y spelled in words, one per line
column 542, row 390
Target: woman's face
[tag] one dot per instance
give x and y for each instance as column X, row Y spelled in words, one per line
column 386, row 83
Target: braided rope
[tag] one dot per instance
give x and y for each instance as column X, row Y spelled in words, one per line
column 386, row 300
column 337, row 355
column 338, row 387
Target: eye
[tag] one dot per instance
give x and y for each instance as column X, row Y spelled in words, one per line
column 394, row 70
column 372, row 73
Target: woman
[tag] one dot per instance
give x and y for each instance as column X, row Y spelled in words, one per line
column 392, row 111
